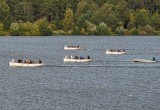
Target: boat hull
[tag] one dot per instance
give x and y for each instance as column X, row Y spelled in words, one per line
column 143, row 60
column 25, row 65
column 76, row 60
column 115, row 53
column 73, row 48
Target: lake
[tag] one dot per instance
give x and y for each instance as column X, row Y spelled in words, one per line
column 109, row 82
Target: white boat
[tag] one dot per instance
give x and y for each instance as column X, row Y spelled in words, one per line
column 13, row 63
column 143, row 60
column 73, row 48
column 115, row 52
column 76, row 59
column 25, row 64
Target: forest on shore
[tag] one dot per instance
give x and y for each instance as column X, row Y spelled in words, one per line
column 79, row 17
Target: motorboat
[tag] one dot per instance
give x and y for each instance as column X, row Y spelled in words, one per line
column 144, row 60
column 115, row 52
column 73, row 48
column 26, row 63
column 76, row 59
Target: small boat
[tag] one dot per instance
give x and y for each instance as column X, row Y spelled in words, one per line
column 144, row 60
column 115, row 52
column 73, row 48
column 76, row 59
column 20, row 63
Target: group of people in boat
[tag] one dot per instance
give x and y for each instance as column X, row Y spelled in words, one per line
column 77, row 57
column 114, row 50
column 73, row 46
column 27, row 61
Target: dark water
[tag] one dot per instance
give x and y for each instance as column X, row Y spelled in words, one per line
column 108, row 83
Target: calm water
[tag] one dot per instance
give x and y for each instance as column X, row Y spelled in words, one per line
column 108, row 83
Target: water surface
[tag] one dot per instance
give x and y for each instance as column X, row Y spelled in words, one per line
column 109, row 82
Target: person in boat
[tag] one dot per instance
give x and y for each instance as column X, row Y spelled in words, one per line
column 13, row 61
column 31, row 62
column 28, row 61
column 72, row 57
column 153, row 59
column 66, row 56
column 88, row 57
column 81, row 57
column 20, row 61
column 40, row 61
column 76, row 57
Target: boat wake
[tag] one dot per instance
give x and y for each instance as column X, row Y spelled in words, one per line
column 83, row 66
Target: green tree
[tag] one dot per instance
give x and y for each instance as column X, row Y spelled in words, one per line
column 68, row 21
column 148, row 29
column 53, row 25
column 155, row 20
column 76, row 30
column 131, row 23
column 69, row 15
column 107, row 15
column 82, row 18
column 34, row 30
column 155, row 6
column 85, row 9
column 83, row 31
column 44, row 27
column 4, row 10
column 1, row 29
column 58, row 22
column 102, row 29
column 23, row 12
column 134, row 31
column 28, row 29
column 142, row 18
column 91, row 28
column 103, row 13
column 14, row 29
column 1, row 26
column 121, row 12
column 5, row 14
column 120, row 29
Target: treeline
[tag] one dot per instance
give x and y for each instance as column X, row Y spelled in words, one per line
column 79, row 17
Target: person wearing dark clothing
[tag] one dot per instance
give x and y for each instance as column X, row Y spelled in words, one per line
column 40, row 61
